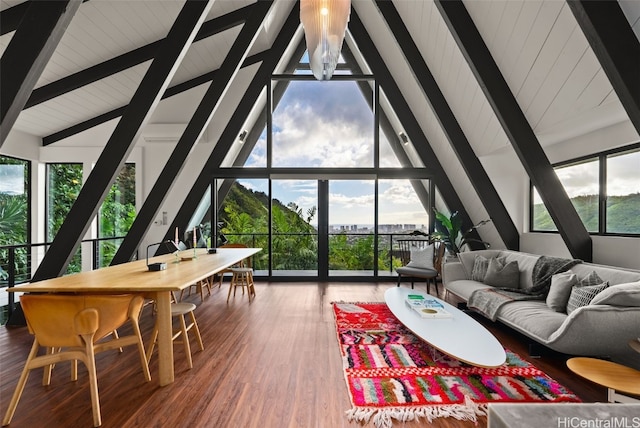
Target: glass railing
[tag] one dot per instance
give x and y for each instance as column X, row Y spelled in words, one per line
column 18, row 262
column 348, row 251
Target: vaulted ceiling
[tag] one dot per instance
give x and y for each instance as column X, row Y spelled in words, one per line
column 480, row 78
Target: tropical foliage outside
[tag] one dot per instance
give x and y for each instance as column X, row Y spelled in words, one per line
column 245, row 219
column 13, row 217
column 64, row 184
column 117, row 213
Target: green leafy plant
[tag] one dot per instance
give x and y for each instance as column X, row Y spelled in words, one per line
column 449, row 232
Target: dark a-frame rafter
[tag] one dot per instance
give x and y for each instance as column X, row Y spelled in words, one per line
column 28, row 53
column 121, row 142
column 517, row 128
column 458, row 140
column 228, row 136
column 409, row 122
column 616, row 46
column 196, row 126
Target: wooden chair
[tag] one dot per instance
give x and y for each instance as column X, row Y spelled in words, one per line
column 413, row 269
column 179, row 310
column 242, row 263
column 70, row 326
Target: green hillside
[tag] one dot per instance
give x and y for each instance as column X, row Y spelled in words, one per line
column 623, row 214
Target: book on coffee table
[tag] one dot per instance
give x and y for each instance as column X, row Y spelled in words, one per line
column 425, row 307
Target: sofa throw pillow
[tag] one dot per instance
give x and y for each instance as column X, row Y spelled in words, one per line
column 480, row 265
column 502, row 275
column 592, row 279
column 582, row 296
column 422, row 258
column 560, row 290
column 619, row 295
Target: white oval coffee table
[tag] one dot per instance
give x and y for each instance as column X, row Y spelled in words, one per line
column 458, row 336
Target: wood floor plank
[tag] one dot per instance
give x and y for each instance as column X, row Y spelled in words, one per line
column 273, row 362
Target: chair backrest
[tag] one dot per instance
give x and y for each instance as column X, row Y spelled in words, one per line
column 243, row 263
column 406, row 245
column 52, row 318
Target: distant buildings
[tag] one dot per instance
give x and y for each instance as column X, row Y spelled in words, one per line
column 382, row 228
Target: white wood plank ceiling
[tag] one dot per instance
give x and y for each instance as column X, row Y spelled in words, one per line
column 537, row 44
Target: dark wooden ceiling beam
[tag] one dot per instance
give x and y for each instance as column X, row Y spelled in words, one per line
column 407, row 118
column 517, row 128
column 234, row 126
column 194, row 130
column 616, row 47
column 28, row 53
column 130, row 59
column 121, row 142
column 457, row 139
column 115, row 113
column 260, row 124
column 10, row 18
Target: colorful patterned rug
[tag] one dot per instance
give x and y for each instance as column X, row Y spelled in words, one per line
column 391, row 374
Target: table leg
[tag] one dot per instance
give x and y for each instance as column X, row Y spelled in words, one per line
column 165, row 344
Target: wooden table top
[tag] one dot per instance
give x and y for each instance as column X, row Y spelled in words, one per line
column 135, row 276
column 607, row 373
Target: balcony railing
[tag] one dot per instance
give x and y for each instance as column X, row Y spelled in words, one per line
column 18, row 262
column 287, row 244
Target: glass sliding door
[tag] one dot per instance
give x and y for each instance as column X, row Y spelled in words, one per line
column 351, row 227
column 294, row 227
column 403, row 207
column 243, row 217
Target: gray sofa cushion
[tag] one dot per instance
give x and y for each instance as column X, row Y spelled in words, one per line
column 463, row 288
column 501, row 274
column 532, row 317
column 560, row 290
column 619, row 295
column 582, row 296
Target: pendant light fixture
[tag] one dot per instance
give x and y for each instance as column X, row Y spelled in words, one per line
column 324, row 23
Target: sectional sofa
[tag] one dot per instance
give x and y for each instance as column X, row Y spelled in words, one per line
column 572, row 307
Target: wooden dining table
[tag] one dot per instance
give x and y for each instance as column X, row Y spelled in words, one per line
column 182, row 270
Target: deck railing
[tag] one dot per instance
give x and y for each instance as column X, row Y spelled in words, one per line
column 19, row 261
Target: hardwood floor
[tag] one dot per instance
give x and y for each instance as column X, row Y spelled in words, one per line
column 273, row 362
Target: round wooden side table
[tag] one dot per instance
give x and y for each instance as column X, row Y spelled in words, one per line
column 615, row 377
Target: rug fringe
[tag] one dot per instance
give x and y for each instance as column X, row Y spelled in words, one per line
column 383, row 418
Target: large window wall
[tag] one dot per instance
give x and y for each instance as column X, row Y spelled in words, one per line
column 605, row 190
column 115, row 216
column 324, row 228
column 15, row 180
column 64, row 181
column 324, row 189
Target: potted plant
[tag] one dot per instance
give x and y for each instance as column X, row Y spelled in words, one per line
column 448, row 231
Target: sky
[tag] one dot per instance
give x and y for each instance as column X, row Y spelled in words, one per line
column 329, row 124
